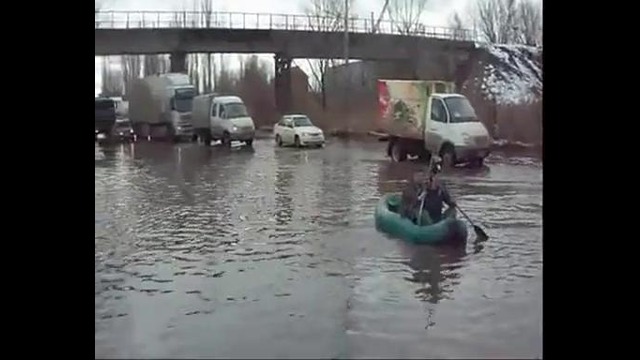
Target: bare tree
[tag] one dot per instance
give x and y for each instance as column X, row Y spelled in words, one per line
column 455, row 23
column 226, row 81
column 529, row 22
column 405, row 15
column 131, row 70
column 111, row 80
column 487, row 19
column 508, row 15
column 155, row 64
column 508, row 21
column 206, row 7
column 328, row 16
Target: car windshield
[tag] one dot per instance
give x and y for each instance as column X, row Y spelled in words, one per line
column 299, row 121
column 234, row 110
column 460, row 110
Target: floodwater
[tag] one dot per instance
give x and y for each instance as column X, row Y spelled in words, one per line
column 272, row 252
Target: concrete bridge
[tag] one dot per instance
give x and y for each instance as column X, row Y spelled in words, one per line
column 286, row 36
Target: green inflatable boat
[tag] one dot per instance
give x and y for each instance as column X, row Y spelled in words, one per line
column 448, row 230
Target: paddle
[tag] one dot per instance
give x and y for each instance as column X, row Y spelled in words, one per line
column 420, row 213
column 478, row 230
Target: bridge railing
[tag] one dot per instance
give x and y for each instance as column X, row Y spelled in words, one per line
column 247, row 21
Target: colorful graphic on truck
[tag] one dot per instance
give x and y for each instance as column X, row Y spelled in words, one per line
column 402, row 107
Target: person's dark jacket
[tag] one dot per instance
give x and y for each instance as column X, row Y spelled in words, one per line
column 435, row 200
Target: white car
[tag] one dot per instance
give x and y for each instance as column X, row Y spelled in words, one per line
column 299, row 131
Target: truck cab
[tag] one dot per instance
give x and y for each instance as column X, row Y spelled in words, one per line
column 222, row 118
column 160, row 106
column 181, row 104
column 105, row 118
column 454, row 131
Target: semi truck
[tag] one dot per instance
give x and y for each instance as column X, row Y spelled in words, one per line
column 160, row 106
column 222, row 118
column 425, row 117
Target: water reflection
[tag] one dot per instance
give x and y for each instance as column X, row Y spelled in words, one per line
column 193, row 243
column 435, row 269
column 335, row 202
column 283, row 184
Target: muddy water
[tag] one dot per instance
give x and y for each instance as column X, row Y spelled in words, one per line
column 273, row 253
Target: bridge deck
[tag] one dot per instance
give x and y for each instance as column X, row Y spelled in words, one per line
column 295, row 44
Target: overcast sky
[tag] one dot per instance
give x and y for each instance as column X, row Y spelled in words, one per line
column 436, row 12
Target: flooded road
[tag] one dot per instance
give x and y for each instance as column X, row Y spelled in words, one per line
column 272, row 252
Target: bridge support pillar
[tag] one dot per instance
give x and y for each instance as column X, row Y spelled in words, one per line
column 178, row 62
column 282, row 83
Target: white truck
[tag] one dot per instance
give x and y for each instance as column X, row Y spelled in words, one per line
column 222, row 118
column 428, row 117
column 160, row 106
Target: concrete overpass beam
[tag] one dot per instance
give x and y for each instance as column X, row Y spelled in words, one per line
column 178, row 62
column 282, row 83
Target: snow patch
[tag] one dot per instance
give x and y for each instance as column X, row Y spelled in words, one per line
column 511, row 75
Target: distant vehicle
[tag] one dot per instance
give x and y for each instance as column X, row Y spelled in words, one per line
column 222, row 118
column 122, row 107
column 105, row 118
column 123, row 130
column 298, row 130
column 452, row 130
column 160, row 106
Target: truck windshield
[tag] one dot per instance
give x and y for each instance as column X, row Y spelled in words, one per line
column 105, row 104
column 301, row 121
column 460, row 110
column 183, row 105
column 234, row 110
column 183, row 99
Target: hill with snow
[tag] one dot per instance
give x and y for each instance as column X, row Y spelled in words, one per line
column 505, row 85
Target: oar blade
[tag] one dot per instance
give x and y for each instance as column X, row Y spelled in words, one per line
column 479, row 232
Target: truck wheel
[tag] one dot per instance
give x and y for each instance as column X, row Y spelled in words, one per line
column 249, row 142
column 448, row 156
column 477, row 162
column 424, row 156
column 226, row 139
column 204, row 136
column 278, row 140
column 398, row 153
column 171, row 134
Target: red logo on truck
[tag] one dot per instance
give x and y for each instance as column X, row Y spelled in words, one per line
column 384, row 99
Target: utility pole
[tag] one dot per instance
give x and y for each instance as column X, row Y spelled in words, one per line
column 346, row 31
column 347, row 76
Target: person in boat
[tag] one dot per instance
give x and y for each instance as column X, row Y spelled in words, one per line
column 435, row 193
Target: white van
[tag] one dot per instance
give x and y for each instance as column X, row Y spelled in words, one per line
column 427, row 117
column 222, row 118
